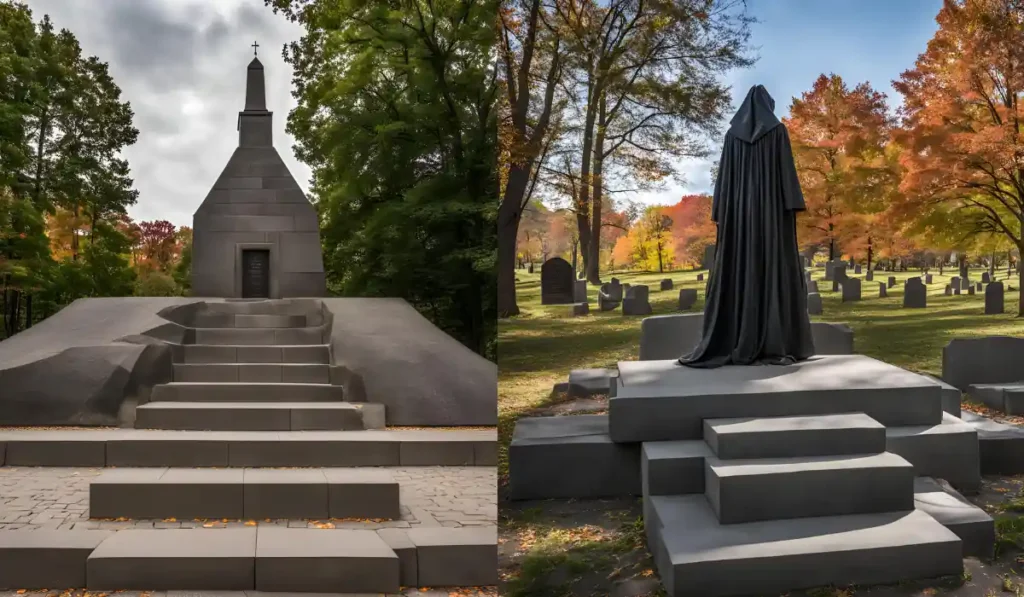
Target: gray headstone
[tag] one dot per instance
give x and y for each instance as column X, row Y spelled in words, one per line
column 927, row 278
column 856, row 269
column 609, row 295
column 531, row 268
column 955, row 281
column 636, row 301
column 979, row 287
column 915, row 294
column 579, row 309
column 557, row 286
column 579, row 291
column 814, row 304
column 892, row 281
column 994, row 298
column 948, row 291
column 709, row 257
column 666, row 284
column 986, row 360
column 986, row 278
column 965, row 282
column 256, row 234
column 851, row 289
column 700, row 277
column 812, row 286
column 869, row 275
column 956, row 289
column 687, row 298
column 882, row 290
column 970, row 290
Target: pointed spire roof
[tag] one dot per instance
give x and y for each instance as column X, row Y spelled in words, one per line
column 255, row 87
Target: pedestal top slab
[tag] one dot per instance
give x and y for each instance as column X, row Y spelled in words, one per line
column 817, row 374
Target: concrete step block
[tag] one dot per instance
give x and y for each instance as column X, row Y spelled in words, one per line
column 950, row 451
column 252, row 372
column 784, row 488
column 46, row 558
column 791, row 437
column 696, row 556
column 163, row 493
column 246, row 392
column 224, row 353
column 169, row 449
column 175, row 559
column 253, row 416
column 269, row 321
column 362, row 493
column 313, row 560
column 1004, row 397
column 456, row 557
column 972, row 524
column 259, row 336
column 674, row 467
column 545, row 453
column 399, row 542
column 285, row 493
column 57, row 450
column 144, row 493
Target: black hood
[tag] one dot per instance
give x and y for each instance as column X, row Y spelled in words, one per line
column 755, row 117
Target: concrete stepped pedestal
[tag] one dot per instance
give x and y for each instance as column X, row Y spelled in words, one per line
column 259, row 336
column 46, row 559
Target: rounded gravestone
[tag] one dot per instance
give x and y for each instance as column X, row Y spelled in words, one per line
column 666, row 284
column 994, row 298
column 915, row 294
column 636, row 301
column 851, row 289
column 687, row 298
column 814, row 304
column 883, row 291
column 556, row 282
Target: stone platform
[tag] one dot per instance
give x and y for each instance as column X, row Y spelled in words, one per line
column 813, row 474
column 662, row 400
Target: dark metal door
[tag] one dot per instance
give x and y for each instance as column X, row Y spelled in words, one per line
column 255, row 273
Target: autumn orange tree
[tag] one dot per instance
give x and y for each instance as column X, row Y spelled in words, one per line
column 692, row 228
column 839, row 135
column 964, row 155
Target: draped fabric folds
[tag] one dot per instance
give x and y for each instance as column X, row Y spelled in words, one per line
column 756, row 308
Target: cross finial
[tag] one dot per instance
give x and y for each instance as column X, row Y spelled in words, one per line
column 255, row 48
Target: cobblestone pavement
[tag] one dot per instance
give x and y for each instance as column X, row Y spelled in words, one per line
column 58, row 498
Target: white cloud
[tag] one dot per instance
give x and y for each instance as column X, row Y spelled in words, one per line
column 181, row 64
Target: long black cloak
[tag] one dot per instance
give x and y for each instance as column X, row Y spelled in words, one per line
column 756, row 309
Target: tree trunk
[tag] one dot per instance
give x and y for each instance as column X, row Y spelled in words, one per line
column 594, row 265
column 992, row 266
column 661, row 265
column 509, row 213
column 28, row 311
column 1020, row 288
column 583, row 209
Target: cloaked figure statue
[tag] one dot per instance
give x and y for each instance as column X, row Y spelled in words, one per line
column 756, row 308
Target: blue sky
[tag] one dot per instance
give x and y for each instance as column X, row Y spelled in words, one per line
column 797, row 40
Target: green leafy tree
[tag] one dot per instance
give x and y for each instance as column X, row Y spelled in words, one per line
column 396, row 117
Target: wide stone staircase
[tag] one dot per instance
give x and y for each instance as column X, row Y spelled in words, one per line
column 251, row 392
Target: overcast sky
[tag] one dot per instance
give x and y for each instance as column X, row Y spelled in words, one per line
column 181, row 64
column 797, row 40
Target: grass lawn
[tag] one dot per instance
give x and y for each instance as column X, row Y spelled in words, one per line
column 595, row 547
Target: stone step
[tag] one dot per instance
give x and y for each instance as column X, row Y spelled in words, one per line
column 246, row 392
column 252, row 372
column 229, row 320
column 660, row 400
column 697, row 556
column 259, row 337
column 154, row 448
column 259, row 416
column 950, row 451
column 251, row 493
column 1005, row 397
column 972, row 524
column 227, row 353
column 791, row 437
column 784, row 488
column 46, row 558
column 266, row 307
column 272, row 559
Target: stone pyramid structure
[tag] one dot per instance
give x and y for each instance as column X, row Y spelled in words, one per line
column 256, row 235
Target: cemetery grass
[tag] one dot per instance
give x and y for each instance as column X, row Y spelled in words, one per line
column 596, row 547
